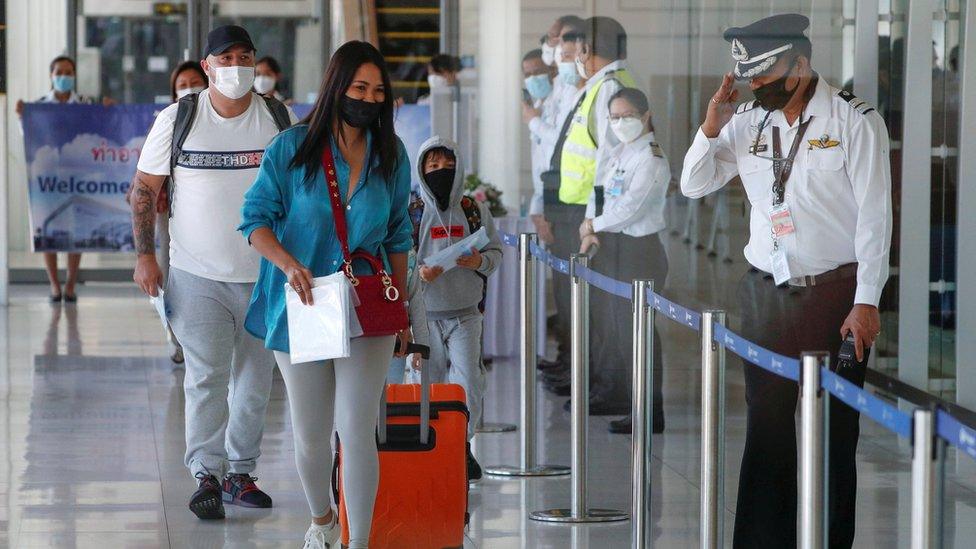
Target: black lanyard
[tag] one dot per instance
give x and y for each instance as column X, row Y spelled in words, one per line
column 783, row 167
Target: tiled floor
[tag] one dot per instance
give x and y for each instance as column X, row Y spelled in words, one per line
column 91, row 443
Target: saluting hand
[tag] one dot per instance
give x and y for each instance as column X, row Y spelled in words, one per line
column 864, row 323
column 721, row 107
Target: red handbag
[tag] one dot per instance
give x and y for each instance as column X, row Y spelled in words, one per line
column 380, row 310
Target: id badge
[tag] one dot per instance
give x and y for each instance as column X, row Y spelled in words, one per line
column 781, row 221
column 781, row 266
column 616, row 185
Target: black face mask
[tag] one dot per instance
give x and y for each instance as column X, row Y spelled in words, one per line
column 441, row 183
column 774, row 96
column 358, row 113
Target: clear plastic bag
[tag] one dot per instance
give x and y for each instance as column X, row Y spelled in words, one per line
column 320, row 331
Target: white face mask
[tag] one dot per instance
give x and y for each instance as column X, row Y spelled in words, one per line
column 437, row 81
column 548, row 53
column 567, row 73
column 580, row 68
column 180, row 94
column 264, row 84
column 627, row 129
column 233, row 82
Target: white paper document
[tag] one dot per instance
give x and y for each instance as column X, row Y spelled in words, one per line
column 447, row 258
column 322, row 331
column 159, row 303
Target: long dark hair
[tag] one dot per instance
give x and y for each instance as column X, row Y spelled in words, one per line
column 180, row 69
column 338, row 77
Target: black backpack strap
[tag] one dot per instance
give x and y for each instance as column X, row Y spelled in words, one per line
column 186, row 110
column 416, row 211
column 472, row 213
column 279, row 112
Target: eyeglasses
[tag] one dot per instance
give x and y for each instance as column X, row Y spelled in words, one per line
column 615, row 117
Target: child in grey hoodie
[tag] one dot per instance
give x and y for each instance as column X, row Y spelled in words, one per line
column 453, row 299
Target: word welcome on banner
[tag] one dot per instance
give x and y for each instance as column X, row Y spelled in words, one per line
column 80, row 161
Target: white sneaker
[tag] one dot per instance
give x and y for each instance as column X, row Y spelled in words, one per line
column 323, row 537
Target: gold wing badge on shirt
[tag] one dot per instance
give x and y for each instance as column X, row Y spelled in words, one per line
column 825, row 142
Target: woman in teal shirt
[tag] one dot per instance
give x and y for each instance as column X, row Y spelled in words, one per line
column 287, row 217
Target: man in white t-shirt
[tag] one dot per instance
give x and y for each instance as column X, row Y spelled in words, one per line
column 212, row 270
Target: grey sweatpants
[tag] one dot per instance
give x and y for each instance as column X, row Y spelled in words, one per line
column 345, row 393
column 458, row 341
column 228, row 373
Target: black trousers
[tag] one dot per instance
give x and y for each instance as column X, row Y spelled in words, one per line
column 624, row 258
column 565, row 219
column 789, row 321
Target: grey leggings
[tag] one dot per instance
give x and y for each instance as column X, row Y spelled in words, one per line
column 344, row 392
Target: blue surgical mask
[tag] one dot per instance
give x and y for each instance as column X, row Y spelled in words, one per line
column 567, row 73
column 63, row 84
column 538, row 85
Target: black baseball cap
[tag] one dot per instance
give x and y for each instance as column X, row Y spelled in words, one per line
column 222, row 38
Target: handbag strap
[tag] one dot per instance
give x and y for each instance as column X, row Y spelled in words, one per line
column 338, row 212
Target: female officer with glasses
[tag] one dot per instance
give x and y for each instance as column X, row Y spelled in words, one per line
column 814, row 163
column 624, row 215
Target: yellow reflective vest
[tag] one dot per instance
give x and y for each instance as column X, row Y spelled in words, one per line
column 577, row 169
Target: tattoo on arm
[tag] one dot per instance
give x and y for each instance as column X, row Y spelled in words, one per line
column 143, row 201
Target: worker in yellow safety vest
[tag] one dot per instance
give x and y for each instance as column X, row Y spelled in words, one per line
column 601, row 47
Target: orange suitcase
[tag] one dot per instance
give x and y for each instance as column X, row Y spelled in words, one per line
column 422, row 500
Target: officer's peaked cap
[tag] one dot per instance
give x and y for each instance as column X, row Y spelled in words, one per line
column 757, row 47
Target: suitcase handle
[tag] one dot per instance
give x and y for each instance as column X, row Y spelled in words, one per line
column 424, row 409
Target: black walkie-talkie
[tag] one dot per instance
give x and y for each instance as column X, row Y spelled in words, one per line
column 847, row 363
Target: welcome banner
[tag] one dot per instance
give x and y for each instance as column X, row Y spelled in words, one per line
column 80, row 162
column 81, row 159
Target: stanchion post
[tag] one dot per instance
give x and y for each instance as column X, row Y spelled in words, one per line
column 580, row 402
column 642, row 413
column 712, row 432
column 923, row 479
column 812, row 451
column 528, row 357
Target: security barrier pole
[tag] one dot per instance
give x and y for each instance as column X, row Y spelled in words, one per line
column 527, row 301
column 713, row 432
column 812, row 451
column 642, row 413
column 923, row 479
column 580, row 399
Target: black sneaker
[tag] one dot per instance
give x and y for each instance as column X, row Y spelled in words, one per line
column 206, row 502
column 474, row 470
column 239, row 489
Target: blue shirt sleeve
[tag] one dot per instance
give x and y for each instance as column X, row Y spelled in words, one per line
column 264, row 202
column 399, row 234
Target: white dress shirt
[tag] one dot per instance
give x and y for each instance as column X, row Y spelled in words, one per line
column 839, row 192
column 635, row 185
column 544, row 133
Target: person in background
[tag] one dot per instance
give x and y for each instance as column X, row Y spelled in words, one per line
column 287, row 217
column 442, row 72
column 453, row 298
column 418, row 322
column 63, row 81
column 600, row 54
column 626, row 227
column 212, row 271
column 543, row 99
column 268, row 77
column 814, row 162
column 186, row 78
column 547, row 123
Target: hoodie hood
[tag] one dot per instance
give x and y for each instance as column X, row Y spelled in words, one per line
column 457, row 190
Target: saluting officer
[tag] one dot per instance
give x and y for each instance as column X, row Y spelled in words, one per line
column 814, row 163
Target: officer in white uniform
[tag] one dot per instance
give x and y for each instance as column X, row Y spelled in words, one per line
column 624, row 217
column 820, row 231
